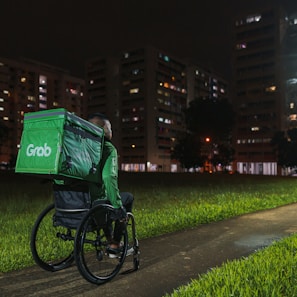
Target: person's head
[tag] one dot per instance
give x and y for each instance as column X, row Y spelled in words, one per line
column 102, row 121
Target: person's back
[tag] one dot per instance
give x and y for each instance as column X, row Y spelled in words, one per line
column 108, row 185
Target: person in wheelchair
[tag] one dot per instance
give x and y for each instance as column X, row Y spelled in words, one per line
column 108, row 185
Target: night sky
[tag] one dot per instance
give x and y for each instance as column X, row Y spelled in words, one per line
column 66, row 33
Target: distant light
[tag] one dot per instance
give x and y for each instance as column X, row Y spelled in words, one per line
column 207, row 139
column 166, row 58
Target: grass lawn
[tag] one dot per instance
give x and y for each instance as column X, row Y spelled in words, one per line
column 163, row 203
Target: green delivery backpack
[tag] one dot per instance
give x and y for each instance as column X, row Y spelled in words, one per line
column 59, row 143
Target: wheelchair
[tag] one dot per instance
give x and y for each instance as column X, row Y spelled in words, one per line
column 74, row 231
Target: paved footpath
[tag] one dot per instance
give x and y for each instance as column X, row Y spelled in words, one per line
column 167, row 261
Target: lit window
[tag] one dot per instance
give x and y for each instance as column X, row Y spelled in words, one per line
column 291, row 105
column 292, row 81
column 293, row 117
column 42, row 105
column 6, row 118
column 1, row 108
column 134, row 91
column 23, row 79
column 135, row 71
column 253, row 19
column 270, row 89
column 1, row 100
column 255, row 128
column 31, row 98
column 240, row 46
column 91, row 82
column 126, row 55
column 73, row 91
column 42, row 79
column 166, row 59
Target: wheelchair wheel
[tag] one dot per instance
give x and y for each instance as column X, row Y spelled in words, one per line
column 94, row 262
column 51, row 246
column 133, row 243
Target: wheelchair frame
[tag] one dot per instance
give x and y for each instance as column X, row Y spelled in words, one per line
column 55, row 247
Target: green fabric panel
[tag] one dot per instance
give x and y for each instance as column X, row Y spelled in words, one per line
column 59, row 143
column 39, row 151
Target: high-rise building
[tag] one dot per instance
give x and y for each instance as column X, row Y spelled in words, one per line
column 205, row 84
column 28, row 86
column 144, row 92
column 290, row 70
column 264, row 86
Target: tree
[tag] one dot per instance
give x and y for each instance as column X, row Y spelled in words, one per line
column 286, row 147
column 187, row 151
column 210, row 118
column 206, row 119
column 224, row 156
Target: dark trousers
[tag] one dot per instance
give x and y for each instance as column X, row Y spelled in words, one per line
column 127, row 201
column 116, row 234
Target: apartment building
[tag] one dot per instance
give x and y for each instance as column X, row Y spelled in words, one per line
column 290, row 70
column 28, row 86
column 144, row 92
column 206, row 84
column 263, row 75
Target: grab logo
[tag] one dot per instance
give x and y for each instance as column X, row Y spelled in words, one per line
column 38, row 151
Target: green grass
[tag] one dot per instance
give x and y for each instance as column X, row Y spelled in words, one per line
column 163, row 203
column 270, row 272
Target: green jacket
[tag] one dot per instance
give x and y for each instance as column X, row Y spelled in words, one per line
column 107, row 187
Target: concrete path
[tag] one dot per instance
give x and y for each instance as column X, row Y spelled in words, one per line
column 167, row 261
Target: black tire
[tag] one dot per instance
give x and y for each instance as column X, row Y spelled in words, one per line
column 92, row 258
column 51, row 246
column 133, row 241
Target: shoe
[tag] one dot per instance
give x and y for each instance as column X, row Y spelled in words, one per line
column 116, row 252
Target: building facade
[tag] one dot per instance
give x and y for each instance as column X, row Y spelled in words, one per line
column 144, row 92
column 264, row 87
column 205, row 84
column 28, row 86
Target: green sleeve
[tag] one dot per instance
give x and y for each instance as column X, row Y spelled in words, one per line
column 110, row 178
